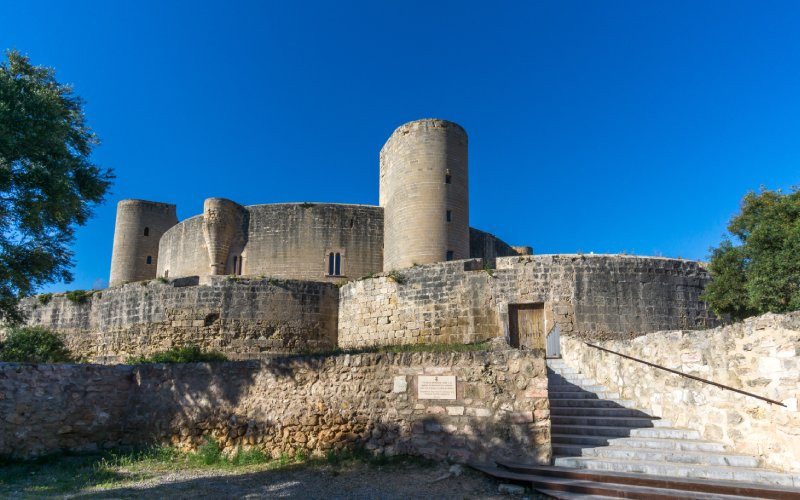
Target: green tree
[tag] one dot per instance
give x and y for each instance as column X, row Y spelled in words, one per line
column 48, row 184
column 762, row 272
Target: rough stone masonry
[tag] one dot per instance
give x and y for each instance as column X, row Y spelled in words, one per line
column 285, row 404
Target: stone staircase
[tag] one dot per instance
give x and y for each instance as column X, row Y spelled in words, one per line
column 593, row 429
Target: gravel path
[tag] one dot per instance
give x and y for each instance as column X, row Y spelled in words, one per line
column 351, row 481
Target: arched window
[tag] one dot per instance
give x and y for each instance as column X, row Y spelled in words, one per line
column 147, row 231
column 149, row 259
column 449, row 216
column 334, row 264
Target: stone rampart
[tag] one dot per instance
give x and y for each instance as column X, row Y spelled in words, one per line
column 243, row 318
column 760, row 355
column 285, row 404
column 591, row 296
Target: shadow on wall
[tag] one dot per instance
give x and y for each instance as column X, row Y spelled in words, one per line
column 359, row 401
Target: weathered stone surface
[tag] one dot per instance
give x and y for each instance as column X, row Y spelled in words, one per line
column 279, row 405
column 590, row 296
column 758, row 355
column 243, row 318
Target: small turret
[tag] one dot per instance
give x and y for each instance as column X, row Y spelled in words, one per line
column 222, row 224
column 137, row 232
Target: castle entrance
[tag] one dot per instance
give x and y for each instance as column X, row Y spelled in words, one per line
column 526, row 325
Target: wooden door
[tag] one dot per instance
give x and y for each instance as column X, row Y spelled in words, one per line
column 526, row 325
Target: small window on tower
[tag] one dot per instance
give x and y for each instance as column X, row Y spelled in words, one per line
column 149, row 259
column 447, row 178
column 147, row 231
column 449, row 216
column 449, row 255
column 334, row 264
column 166, row 273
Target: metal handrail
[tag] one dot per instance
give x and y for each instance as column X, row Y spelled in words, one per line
column 693, row 377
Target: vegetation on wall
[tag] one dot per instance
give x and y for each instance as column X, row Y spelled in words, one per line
column 31, row 344
column 756, row 268
column 186, row 354
column 79, row 296
column 48, row 184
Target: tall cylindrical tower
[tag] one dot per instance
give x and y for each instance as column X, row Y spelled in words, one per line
column 137, row 232
column 424, row 193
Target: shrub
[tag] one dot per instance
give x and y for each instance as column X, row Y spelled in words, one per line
column 186, row 354
column 79, row 296
column 33, row 344
column 44, row 298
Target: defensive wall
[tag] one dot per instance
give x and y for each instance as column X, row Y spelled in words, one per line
column 594, row 297
column 760, row 355
column 498, row 406
column 242, row 318
column 590, row 296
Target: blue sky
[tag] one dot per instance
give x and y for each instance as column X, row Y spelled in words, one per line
column 594, row 126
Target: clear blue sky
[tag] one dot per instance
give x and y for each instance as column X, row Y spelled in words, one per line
column 594, row 126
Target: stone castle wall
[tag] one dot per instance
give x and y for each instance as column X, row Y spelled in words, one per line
column 242, row 318
column 284, row 405
column 591, row 296
column 286, row 240
column 760, row 355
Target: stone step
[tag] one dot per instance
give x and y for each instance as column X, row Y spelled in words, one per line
column 590, row 403
column 629, row 422
column 727, row 473
column 673, row 456
column 592, row 430
column 582, row 395
column 575, row 388
column 584, row 440
column 564, row 370
column 597, row 412
column 559, row 382
column 665, row 433
column 669, row 444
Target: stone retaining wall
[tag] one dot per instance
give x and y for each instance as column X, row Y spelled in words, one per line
column 284, row 405
column 760, row 355
column 243, row 318
column 591, row 296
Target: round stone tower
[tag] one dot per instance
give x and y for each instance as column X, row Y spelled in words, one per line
column 137, row 232
column 424, row 194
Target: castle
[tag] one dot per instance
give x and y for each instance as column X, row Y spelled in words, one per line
column 254, row 280
column 260, row 281
column 423, row 218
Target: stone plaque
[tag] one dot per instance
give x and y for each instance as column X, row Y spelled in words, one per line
column 436, row 387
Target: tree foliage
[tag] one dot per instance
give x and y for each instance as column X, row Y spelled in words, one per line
column 48, row 184
column 761, row 272
column 33, row 345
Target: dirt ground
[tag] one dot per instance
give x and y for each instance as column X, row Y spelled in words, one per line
column 351, row 481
